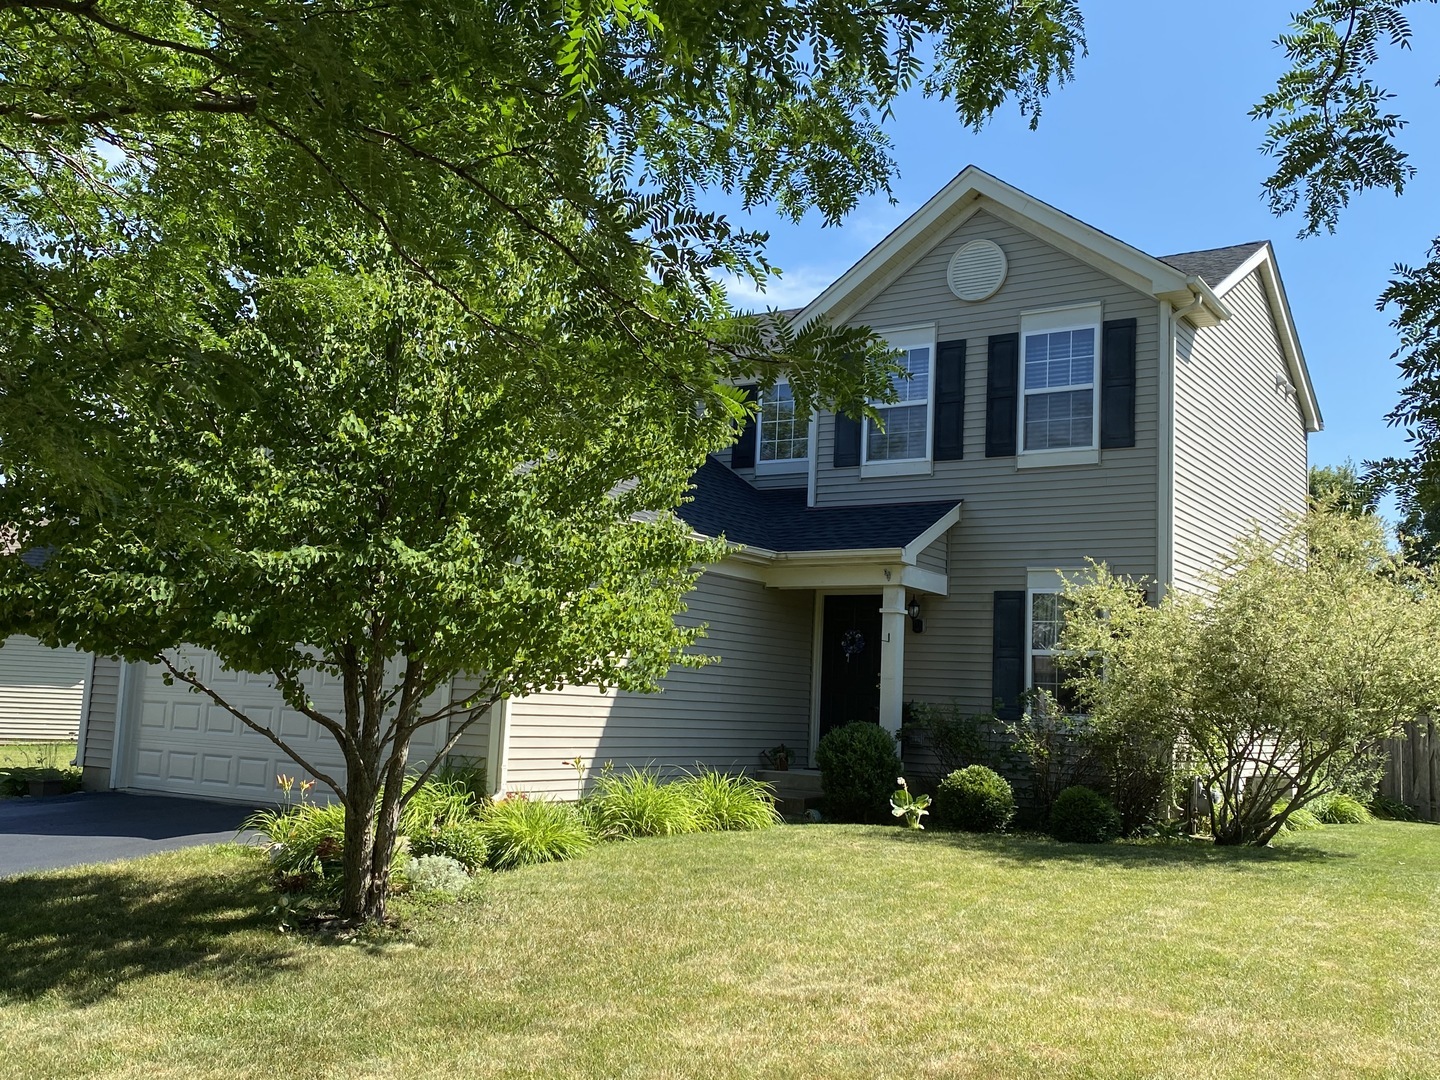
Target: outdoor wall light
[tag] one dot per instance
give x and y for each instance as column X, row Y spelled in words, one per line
column 917, row 624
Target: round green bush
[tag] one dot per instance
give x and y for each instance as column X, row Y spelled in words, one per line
column 975, row 799
column 858, row 766
column 1083, row 816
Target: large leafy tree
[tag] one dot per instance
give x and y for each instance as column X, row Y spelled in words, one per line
column 1333, row 133
column 382, row 339
column 1280, row 682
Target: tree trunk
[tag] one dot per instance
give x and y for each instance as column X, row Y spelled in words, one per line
column 357, row 904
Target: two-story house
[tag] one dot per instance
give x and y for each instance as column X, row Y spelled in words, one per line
column 1071, row 397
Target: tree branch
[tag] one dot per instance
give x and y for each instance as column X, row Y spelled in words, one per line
column 185, row 677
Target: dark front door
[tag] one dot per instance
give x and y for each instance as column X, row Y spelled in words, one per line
column 849, row 661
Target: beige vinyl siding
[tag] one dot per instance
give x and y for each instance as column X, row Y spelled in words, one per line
column 722, row 715
column 41, row 691
column 1039, row 277
column 1240, row 444
column 936, row 557
column 474, row 744
column 1014, row 519
column 100, row 722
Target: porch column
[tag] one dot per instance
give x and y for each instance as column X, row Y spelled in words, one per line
column 892, row 657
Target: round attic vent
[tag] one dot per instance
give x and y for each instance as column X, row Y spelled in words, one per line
column 977, row 270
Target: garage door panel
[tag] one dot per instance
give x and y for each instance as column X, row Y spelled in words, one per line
column 185, row 743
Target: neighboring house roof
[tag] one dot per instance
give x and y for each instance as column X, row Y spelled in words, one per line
column 778, row 520
column 1214, row 264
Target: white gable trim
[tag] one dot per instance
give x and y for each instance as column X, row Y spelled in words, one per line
column 1263, row 263
column 974, row 190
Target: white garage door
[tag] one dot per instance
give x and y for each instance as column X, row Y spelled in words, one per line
column 186, row 744
column 41, row 691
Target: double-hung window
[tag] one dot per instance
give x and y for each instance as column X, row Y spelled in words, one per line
column 904, row 444
column 784, row 437
column 1060, row 364
column 1045, row 618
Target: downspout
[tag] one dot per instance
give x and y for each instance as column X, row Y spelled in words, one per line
column 1165, row 501
column 79, row 761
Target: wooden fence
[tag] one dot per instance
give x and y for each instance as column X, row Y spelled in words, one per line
column 1412, row 775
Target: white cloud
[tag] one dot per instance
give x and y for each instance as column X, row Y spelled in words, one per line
column 796, row 288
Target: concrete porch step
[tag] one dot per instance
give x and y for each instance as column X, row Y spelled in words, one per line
column 796, row 790
column 799, row 781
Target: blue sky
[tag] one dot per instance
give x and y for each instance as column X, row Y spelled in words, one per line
column 1153, row 143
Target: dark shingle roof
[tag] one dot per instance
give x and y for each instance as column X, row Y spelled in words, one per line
column 1213, row 264
column 727, row 504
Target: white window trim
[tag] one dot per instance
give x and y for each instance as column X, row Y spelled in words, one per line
column 1050, row 321
column 905, row 337
column 783, row 466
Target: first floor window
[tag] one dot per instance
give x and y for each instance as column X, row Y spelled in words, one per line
column 1048, row 607
column 907, row 419
column 783, row 435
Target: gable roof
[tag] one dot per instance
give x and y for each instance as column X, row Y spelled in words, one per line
column 973, row 190
column 724, row 503
column 1214, row 264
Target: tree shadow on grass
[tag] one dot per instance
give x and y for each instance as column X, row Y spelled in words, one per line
column 84, row 934
column 1034, row 848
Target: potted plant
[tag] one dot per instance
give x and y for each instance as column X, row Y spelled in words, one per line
column 777, row 757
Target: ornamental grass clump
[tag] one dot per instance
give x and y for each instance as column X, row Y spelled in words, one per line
column 521, row 831
column 638, row 802
column 1338, row 808
column 724, row 802
column 975, row 799
column 1082, row 815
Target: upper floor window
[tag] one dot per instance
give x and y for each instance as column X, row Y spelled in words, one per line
column 784, row 437
column 1059, row 405
column 906, row 434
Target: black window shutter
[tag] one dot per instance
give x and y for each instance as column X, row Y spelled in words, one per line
column 1007, row 681
column 847, row 442
column 1002, row 387
column 949, row 435
column 742, row 454
column 1117, row 384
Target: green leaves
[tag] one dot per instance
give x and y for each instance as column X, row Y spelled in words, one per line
column 1329, row 124
column 1309, row 648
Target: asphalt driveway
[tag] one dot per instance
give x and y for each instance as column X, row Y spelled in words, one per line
column 68, row 830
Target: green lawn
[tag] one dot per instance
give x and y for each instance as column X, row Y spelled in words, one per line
column 56, row 755
column 808, row 951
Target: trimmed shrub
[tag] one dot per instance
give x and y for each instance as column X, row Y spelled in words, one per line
column 437, row 874
column 858, row 766
column 1082, row 815
column 1339, row 808
column 637, row 802
column 724, row 801
column 521, row 832
column 976, row 799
